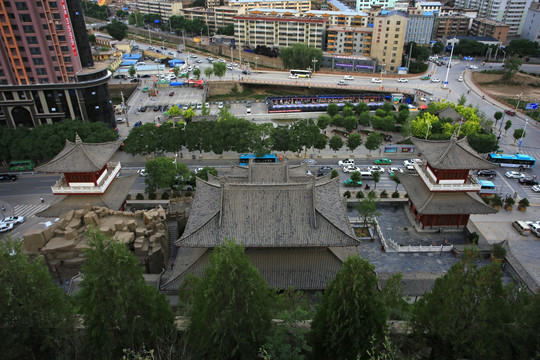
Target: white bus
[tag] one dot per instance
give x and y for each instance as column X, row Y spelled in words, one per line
column 301, row 73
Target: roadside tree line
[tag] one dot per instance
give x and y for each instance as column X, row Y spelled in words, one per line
column 227, row 312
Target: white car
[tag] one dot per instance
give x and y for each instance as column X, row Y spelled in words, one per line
column 199, row 106
column 435, row 80
column 220, row 105
column 411, row 162
column 348, row 77
column 513, row 174
column 190, row 69
column 460, row 79
column 376, row 168
column 402, row 80
column 394, row 170
column 535, row 228
column 142, row 172
column 351, row 169
column 346, row 162
column 229, row 67
column 293, row 76
column 376, row 80
column 536, row 188
column 5, row 227
column 207, row 104
column 473, row 67
column 13, row 220
column 342, row 82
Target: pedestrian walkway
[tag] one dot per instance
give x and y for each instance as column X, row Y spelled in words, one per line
column 28, row 211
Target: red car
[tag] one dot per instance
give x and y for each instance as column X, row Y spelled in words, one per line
column 510, row 112
column 171, row 93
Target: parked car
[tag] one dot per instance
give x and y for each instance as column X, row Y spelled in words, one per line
column 138, row 123
column 536, row 188
column 460, row 79
column 510, row 112
column 435, row 80
column 348, row 77
column 342, row 82
column 143, row 108
column 402, row 80
column 486, row 173
column 410, row 162
column 120, row 120
column 248, row 103
column 185, row 107
column 346, row 162
column 528, row 181
column 171, row 93
column 199, row 106
column 473, row 67
column 323, row 170
column 156, row 108
column 383, row 161
column 13, row 220
column 376, row 80
column 8, row 177
column 142, row 172
column 350, row 169
column 247, row 72
column 513, row 174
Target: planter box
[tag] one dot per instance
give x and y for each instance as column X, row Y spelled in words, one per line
column 522, row 208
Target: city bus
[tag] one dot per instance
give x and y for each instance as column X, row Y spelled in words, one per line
column 302, row 73
column 268, row 158
column 509, row 160
column 21, row 165
column 487, row 188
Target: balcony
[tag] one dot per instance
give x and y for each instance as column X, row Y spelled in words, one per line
column 61, row 187
column 470, row 185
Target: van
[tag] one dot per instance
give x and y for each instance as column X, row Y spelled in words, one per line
column 140, row 63
column 366, row 174
column 522, row 227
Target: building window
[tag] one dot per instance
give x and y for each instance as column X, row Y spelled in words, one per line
column 28, row 29
column 35, row 51
column 25, row 17
column 51, row 48
column 42, row 15
column 56, row 16
column 64, row 48
column 57, row 68
column 45, row 27
column 59, row 27
column 38, row 4
column 41, row 71
column 31, row 40
column 53, row 4
column 38, row 61
column 21, row 6
column 69, row 68
column 61, row 38
column 67, row 58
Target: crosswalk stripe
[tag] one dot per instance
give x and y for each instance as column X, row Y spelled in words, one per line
column 28, row 210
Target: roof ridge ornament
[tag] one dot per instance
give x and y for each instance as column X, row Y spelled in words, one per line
column 77, row 138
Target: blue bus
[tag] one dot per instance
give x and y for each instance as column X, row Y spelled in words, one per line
column 487, row 188
column 517, row 161
column 268, row 158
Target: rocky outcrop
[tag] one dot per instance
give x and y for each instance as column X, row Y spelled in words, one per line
column 144, row 233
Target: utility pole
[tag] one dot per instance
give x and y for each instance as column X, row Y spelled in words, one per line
column 522, row 135
column 449, row 63
column 125, row 108
column 409, row 58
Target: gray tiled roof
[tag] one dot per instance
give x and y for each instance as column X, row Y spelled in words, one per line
column 449, row 113
column 451, row 154
column 413, row 284
column 113, row 198
column 447, row 203
column 303, row 269
column 80, row 157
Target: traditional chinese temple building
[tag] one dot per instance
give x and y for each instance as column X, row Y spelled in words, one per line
column 294, row 227
column 87, row 177
column 443, row 193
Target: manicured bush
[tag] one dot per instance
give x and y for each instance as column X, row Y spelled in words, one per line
column 384, row 194
column 128, row 197
column 139, row 196
column 165, row 196
column 176, row 194
column 395, row 194
column 347, row 194
column 152, row 196
column 360, row 195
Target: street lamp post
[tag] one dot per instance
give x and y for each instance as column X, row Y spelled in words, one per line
column 519, row 96
column 522, row 135
column 428, row 127
column 256, row 62
column 449, row 63
column 314, row 61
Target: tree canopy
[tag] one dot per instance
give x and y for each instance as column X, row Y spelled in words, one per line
column 119, row 310
column 231, row 309
column 117, row 29
column 523, row 47
column 300, row 56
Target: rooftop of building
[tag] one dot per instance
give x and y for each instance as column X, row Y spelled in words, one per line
column 339, row 5
column 355, row 29
column 490, row 22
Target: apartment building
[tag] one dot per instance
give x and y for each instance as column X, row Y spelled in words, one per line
column 452, row 25
column 531, row 25
column 47, row 73
column 279, row 30
column 224, row 15
column 200, row 13
column 298, row 5
column 487, row 27
column 339, row 18
column 163, row 8
column 419, row 26
column 348, row 40
column 388, row 39
column 489, row 9
column 433, row 6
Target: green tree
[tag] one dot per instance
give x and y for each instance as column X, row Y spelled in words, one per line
column 364, row 118
column 231, row 309
column 323, row 121
column 350, row 123
column 121, row 13
column 208, row 72
column 96, row 11
column 92, row 39
column 478, row 299
column 119, row 310
column 203, row 173
column 160, row 173
column 300, row 56
column 219, row 69
column 132, row 71
column 354, row 141
column 335, row 143
column 462, row 100
column 367, row 210
column 396, row 180
column 37, row 316
column 351, row 312
column 176, row 71
column 373, row 141
column 498, row 116
column 197, row 73
column 334, row 174
column 205, row 109
column 507, row 126
column 483, row 143
column 361, row 107
column 117, row 30
column 511, row 66
column 518, row 134
column 332, row 109
column 523, row 47
column 376, row 175
column 136, row 18
column 320, row 142
column 437, row 48
column 356, row 178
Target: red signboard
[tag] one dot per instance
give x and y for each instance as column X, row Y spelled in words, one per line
column 69, row 28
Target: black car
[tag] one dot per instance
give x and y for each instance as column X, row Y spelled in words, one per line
column 323, row 170
column 7, row 177
column 246, row 72
column 156, row 108
column 143, row 109
column 134, row 80
column 486, row 173
column 528, row 181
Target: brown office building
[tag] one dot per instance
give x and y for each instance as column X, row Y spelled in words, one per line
column 46, row 69
column 487, row 27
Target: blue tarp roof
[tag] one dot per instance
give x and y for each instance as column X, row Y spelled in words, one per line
column 131, row 56
column 177, row 83
column 128, row 62
column 174, row 62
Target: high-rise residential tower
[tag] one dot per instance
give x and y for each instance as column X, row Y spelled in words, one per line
column 46, row 69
